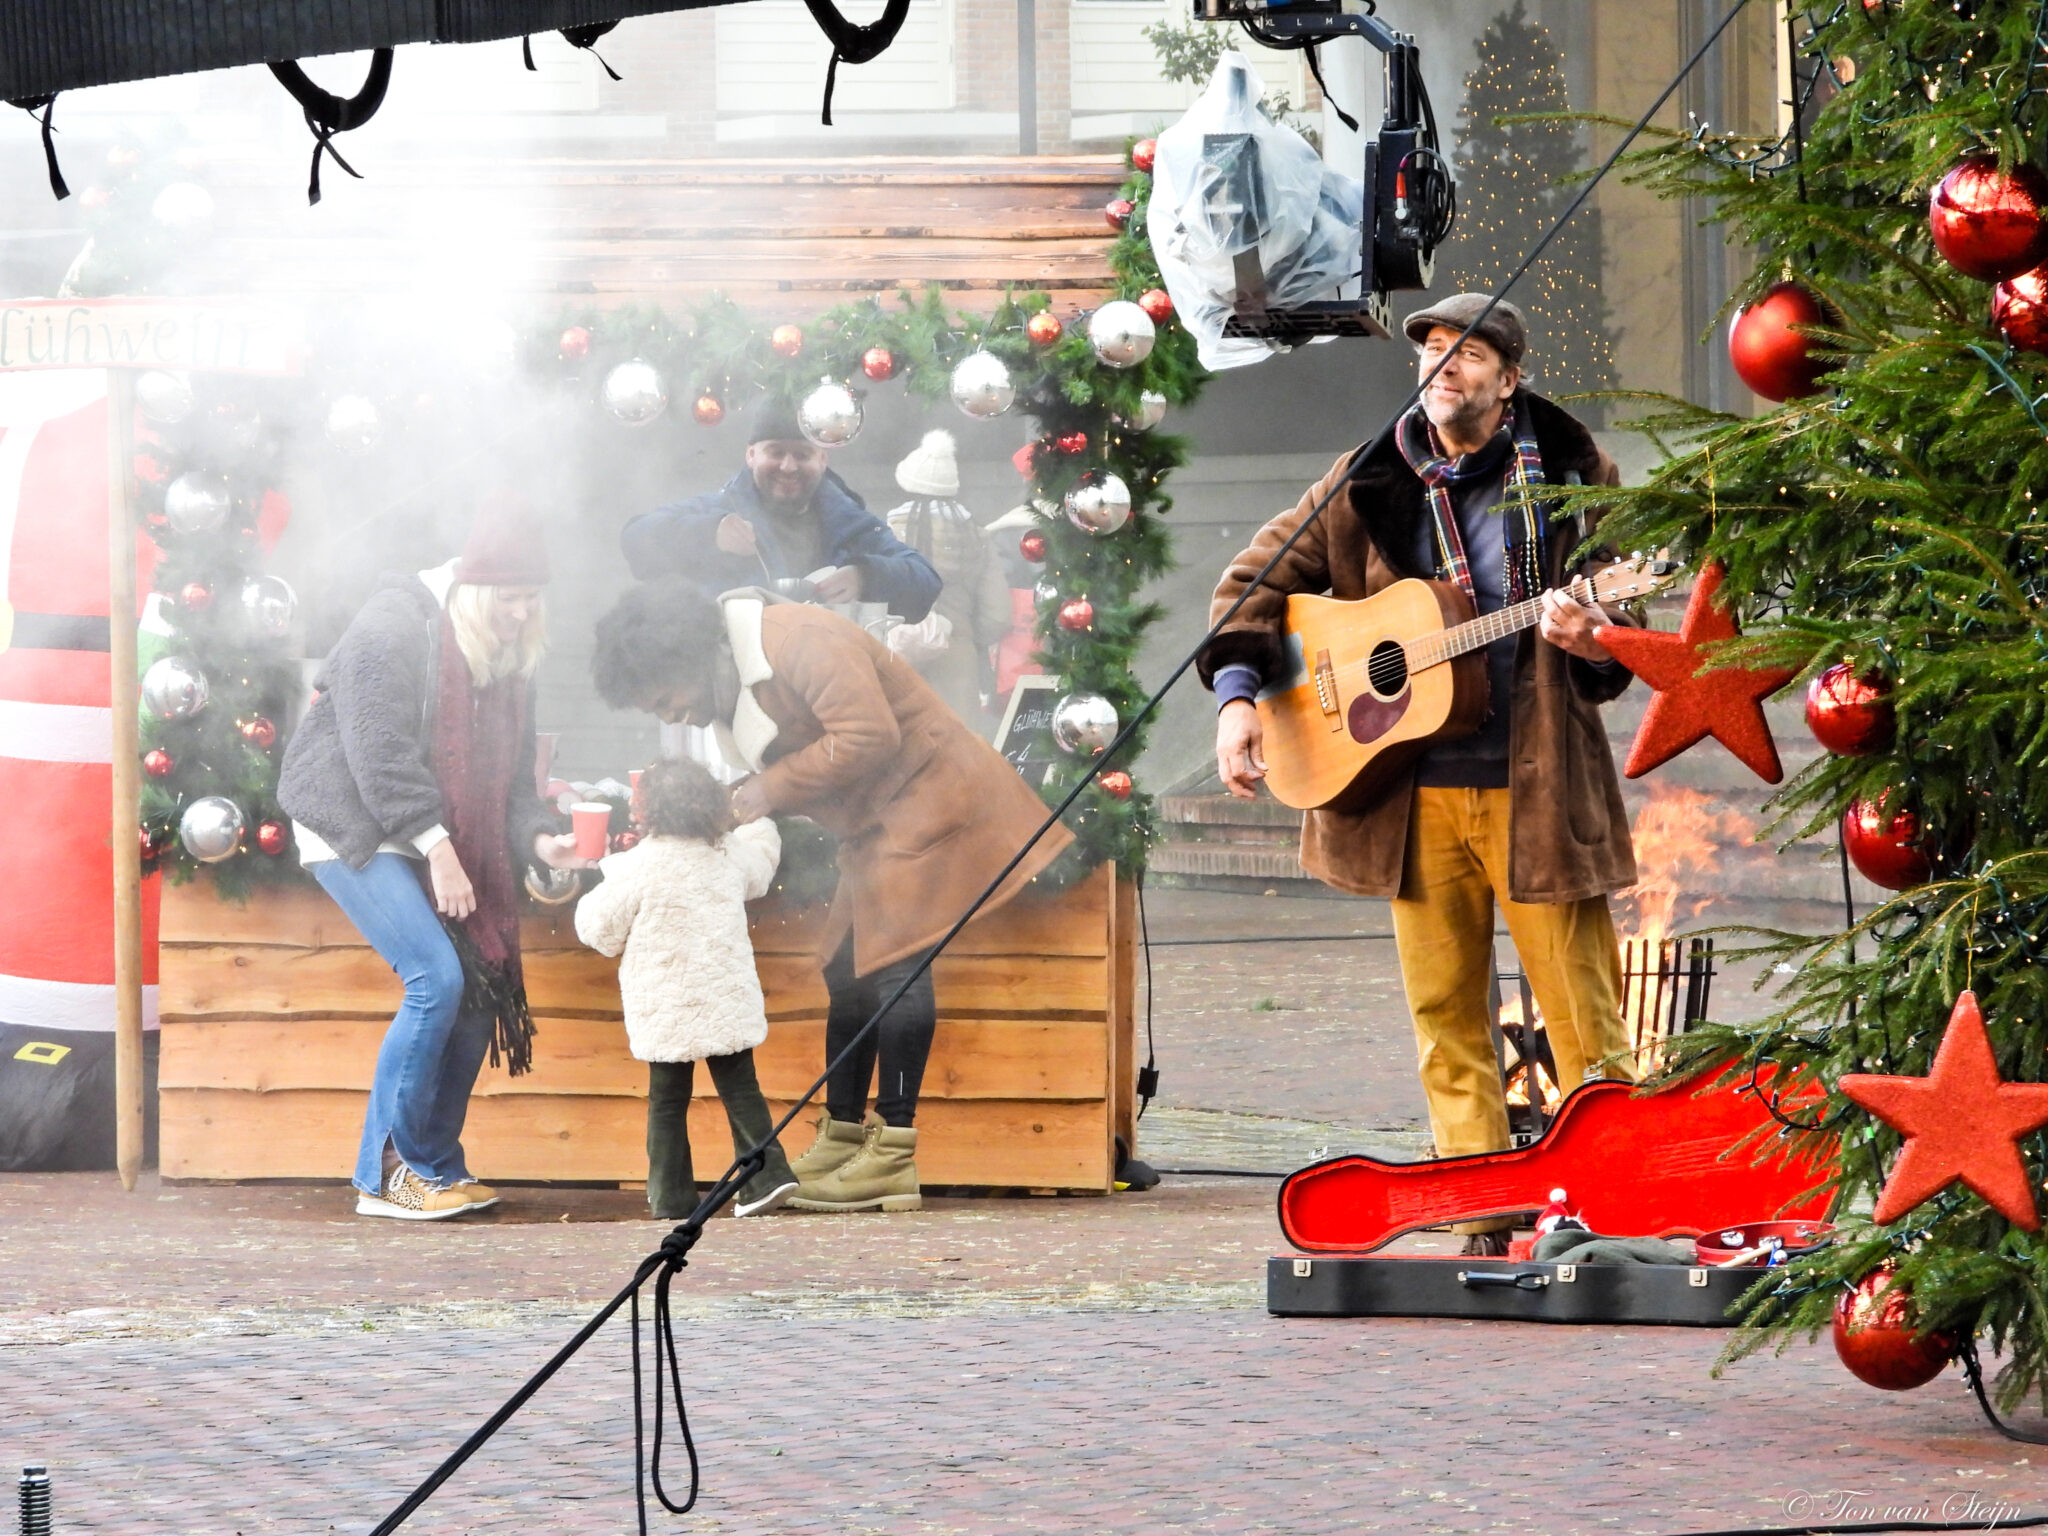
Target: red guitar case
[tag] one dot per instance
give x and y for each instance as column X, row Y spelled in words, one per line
column 1657, row 1164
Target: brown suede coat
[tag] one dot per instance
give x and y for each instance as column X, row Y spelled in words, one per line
column 926, row 812
column 1568, row 833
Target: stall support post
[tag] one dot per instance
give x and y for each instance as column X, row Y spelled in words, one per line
column 124, row 697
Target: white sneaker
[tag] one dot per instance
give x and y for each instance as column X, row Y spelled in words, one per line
column 772, row 1201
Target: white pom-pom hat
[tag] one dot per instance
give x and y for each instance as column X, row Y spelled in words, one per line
column 931, row 469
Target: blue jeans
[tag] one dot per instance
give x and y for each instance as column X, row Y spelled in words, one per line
column 434, row 1048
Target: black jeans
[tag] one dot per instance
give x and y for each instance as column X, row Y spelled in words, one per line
column 903, row 1039
column 671, row 1182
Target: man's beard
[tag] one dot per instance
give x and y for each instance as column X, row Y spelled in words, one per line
column 1468, row 419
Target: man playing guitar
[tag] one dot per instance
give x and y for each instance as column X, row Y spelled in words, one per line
column 1525, row 812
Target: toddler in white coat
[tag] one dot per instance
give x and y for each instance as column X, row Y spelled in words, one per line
column 675, row 904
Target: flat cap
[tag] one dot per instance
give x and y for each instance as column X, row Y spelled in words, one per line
column 1503, row 328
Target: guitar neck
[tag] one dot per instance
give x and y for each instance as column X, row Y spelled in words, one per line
column 1489, row 627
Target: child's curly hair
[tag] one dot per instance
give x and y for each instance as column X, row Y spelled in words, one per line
column 681, row 799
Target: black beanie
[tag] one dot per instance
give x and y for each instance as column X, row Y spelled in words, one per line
column 773, row 419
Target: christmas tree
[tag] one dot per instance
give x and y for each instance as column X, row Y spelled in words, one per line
column 1883, row 528
column 1517, row 153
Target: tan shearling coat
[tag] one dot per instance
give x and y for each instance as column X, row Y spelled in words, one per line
column 926, row 812
column 1568, row 831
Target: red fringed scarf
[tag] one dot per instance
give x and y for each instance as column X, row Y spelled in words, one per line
column 478, row 737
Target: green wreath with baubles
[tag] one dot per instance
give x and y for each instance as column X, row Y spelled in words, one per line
column 1097, row 386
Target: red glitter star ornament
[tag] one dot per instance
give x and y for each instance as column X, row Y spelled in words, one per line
column 1726, row 704
column 1961, row 1121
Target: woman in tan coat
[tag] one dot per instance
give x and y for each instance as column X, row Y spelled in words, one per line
column 836, row 728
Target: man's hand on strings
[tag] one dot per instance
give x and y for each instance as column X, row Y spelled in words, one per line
column 1570, row 627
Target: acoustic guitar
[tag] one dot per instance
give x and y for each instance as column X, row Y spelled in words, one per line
column 1372, row 682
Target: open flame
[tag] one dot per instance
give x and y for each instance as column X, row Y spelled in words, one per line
column 1678, row 836
column 1521, row 1071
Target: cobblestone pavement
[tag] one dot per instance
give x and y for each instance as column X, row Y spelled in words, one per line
column 215, row 1359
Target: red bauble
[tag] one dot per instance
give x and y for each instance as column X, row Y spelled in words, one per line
column 1032, row 546
column 878, row 363
column 196, row 596
column 574, row 345
column 2019, row 308
column 1118, row 211
column 787, row 340
column 1888, row 848
column 1988, row 223
column 273, row 837
column 708, row 410
column 1769, row 356
column 1143, row 153
column 1116, row 784
column 1073, row 442
column 158, row 763
column 150, row 846
column 1157, row 303
column 259, row 732
column 1044, row 328
column 1023, row 460
column 1849, row 715
column 1875, row 1338
column 1077, row 614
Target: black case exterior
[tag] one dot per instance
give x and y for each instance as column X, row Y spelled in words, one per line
column 1498, row 1289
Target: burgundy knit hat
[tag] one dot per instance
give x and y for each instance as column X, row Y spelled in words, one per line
column 506, row 547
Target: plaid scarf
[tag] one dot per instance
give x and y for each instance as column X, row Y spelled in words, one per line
column 1417, row 439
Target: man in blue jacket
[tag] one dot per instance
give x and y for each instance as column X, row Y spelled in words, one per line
column 783, row 517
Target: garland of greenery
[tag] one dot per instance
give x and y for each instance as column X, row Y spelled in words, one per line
column 716, row 349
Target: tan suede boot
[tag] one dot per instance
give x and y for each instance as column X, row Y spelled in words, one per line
column 883, row 1175
column 838, row 1141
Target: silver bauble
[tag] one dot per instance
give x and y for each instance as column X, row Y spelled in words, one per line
column 165, row 398
column 197, row 502
column 1121, row 334
column 1151, row 410
column 981, row 385
column 634, row 392
column 173, row 688
column 829, row 415
column 1046, row 592
column 1100, row 504
column 268, row 604
column 352, row 424
column 184, row 206
column 211, row 829
column 1084, row 723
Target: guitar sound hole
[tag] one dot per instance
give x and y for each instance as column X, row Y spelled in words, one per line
column 1386, row 669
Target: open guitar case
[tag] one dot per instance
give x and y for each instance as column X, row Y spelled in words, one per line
column 1684, row 1162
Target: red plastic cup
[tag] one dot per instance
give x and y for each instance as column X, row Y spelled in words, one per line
column 592, row 821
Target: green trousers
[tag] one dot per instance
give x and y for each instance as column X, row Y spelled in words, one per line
column 671, row 1181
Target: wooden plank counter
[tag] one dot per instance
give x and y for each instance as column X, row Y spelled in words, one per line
column 272, row 1014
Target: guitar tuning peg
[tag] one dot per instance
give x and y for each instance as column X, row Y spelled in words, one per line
column 1636, row 556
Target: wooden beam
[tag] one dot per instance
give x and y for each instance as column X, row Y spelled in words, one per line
column 124, row 697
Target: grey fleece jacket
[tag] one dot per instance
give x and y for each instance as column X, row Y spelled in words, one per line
column 358, row 769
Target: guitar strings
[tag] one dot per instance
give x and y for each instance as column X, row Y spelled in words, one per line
column 1388, row 675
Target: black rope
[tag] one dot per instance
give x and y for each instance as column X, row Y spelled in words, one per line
column 586, row 39
column 1147, row 1084
column 328, row 114
column 1973, row 1372
column 854, row 44
column 675, row 1248
column 46, row 105
column 1315, row 67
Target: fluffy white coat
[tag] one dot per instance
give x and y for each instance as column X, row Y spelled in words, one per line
column 676, row 907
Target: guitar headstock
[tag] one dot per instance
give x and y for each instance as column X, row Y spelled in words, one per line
column 1640, row 575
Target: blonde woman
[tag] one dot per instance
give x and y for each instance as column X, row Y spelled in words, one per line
column 410, row 788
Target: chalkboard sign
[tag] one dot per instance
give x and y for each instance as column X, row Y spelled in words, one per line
column 1022, row 738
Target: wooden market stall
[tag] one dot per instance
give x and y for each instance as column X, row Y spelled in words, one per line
column 272, row 1013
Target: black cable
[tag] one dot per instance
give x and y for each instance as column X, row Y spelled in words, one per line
column 674, row 1251
column 1148, row 1076
column 1973, row 1373
column 2026, row 1522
